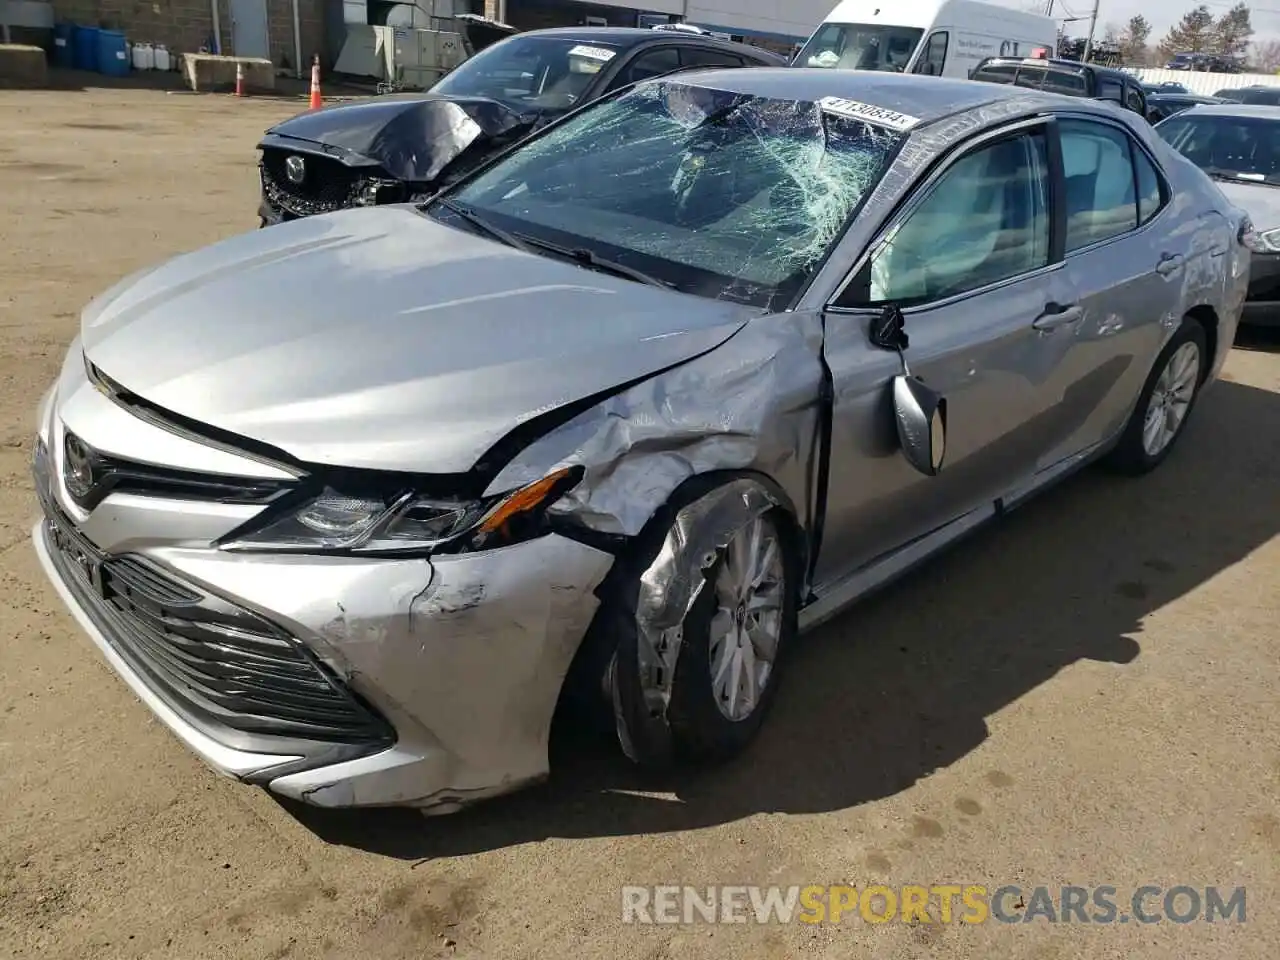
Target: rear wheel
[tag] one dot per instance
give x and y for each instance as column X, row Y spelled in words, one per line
column 1166, row 402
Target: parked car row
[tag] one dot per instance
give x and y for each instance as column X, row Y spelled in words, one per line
column 358, row 503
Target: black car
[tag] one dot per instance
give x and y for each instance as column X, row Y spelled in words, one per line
column 1161, row 106
column 1069, row 77
column 1168, row 86
column 1204, row 63
column 1261, row 96
column 395, row 148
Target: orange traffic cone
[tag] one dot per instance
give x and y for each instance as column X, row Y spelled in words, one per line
column 316, row 101
column 239, row 79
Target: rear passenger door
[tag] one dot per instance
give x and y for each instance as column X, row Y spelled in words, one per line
column 1127, row 268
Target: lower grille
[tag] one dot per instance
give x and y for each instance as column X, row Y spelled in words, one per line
column 225, row 668
column 326, row 185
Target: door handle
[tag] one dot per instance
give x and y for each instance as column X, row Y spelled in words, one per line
column 1056, row 315
column 1170, row 263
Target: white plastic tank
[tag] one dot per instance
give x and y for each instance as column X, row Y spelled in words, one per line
column 143, row 57
column 161, row 53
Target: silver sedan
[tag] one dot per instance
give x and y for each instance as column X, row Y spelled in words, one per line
column 356, row 503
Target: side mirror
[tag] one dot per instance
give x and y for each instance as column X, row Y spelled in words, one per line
column 889, row 330
column 921, row 415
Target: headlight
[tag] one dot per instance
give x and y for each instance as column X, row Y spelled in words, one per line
column 406, row 523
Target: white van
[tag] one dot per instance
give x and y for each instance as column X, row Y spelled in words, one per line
column 941, row 38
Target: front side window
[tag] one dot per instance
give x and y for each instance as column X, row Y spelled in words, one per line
column 1060, row 81
column 985, row 220
column 653, row 63
column 544, row 72
column 1229, row 148
column 1099, row 183
column 718, row 194
column 996, row 73
column 702, row 57
column 1030, row 77
column 935, row 55
column 1110, row 88
column 861, row 46
column 1134, row 100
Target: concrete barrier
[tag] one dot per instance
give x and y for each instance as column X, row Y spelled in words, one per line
column 23, row 66
column 205, row 72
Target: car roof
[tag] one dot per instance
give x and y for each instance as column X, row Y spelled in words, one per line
column 628, row 37
column 1075, row 65
column 1264, row 111
column 1182, row 98
column 928, row 98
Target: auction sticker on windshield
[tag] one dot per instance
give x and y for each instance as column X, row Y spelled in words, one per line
column 602, row 54
column 854, row 110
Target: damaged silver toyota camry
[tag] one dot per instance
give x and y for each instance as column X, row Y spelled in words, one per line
column 353, row 504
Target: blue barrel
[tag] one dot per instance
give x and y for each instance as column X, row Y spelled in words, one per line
column 113, row 53
column 64, row 49
column 85, row 44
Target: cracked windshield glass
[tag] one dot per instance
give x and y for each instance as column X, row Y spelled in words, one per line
column 544, row 72
column 720, row 194
column 861, row 46
column 1233, row 148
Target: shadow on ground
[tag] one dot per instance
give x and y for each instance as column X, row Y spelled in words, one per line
column 902, row 684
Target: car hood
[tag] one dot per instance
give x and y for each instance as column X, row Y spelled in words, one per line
column 379, row 338
column 413, row 137
column 1259, row 200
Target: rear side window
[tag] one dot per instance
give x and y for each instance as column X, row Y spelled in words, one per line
column 702, row 57
column 996, row 73
column 1100, row 183
column 1266, row 97
column 1151, row 195
column 1058, row 81
column 934, row 57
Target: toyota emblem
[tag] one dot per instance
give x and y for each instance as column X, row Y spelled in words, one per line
column 77, row 467
column 295, row 168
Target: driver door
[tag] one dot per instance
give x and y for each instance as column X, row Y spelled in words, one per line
column 969, row 263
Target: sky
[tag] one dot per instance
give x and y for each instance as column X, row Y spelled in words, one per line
column 1161, row 15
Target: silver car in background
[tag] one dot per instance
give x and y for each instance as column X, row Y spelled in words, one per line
column 355, row 503
column 1239, row 147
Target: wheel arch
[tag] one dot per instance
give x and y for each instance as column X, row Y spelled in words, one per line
column 590, row 681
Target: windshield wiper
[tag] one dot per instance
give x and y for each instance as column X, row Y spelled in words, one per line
column 1235, row 176
column 483, row 225
column 593, row 261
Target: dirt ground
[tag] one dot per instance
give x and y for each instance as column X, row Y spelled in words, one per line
column 1083, row 694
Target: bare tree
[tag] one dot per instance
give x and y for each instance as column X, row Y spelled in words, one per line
column 1265, row 55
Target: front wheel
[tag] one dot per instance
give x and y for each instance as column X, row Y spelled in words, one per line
column 1166, row 402
column 732, row 644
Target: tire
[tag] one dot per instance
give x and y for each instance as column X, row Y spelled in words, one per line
column 1133, row 454
column 697, row 728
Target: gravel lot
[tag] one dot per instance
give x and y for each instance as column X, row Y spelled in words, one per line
column 1085, row 693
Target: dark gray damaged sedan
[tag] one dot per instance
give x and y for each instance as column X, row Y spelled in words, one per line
column 353, row 503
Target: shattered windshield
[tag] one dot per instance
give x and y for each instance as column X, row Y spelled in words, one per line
column 718, row 194
column 1233, row 148
column 861, row 46
column 549, row 73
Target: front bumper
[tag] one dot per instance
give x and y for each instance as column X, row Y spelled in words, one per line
column 334, row 681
